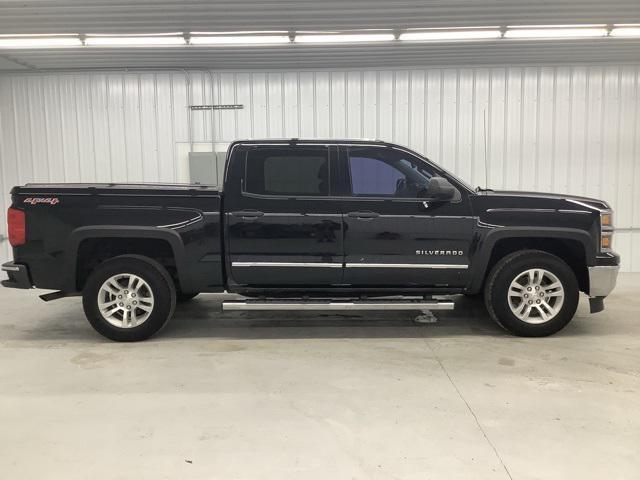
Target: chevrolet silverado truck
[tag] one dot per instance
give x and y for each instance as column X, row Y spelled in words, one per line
column 312, row 225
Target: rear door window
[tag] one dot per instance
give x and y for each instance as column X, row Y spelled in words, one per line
column 290, row 171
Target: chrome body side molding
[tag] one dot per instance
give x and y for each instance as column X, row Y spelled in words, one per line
column 408, row 265
column 350, row 265
column 287, row 264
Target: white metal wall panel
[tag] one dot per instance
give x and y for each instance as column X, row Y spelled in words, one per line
column 569, row 129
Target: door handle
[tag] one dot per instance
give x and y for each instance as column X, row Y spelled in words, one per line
column 247, row 214
column 363, row 215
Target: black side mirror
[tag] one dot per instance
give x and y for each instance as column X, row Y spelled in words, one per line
column 440, row 190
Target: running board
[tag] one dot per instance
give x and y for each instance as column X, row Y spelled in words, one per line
column 335, row 305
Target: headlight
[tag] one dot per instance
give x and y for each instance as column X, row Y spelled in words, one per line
column 606, row 231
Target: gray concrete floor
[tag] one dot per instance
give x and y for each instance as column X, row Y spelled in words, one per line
column 287, row 396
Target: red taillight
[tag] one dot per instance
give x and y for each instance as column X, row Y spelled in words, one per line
column 17, row 227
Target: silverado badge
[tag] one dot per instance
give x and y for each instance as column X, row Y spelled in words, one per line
column 440, row 252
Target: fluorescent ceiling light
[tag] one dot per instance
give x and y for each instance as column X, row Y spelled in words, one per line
column 134, row 41
column 239, row 39
column 36, row 35
column 534, row 27
column 625, row 32
column 345, row 38
column 555, row 32
column 40, row 42
column 242, row 32
column 450, row 35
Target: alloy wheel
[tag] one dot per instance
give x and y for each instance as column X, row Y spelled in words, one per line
column 125, row 300
column 535, row 296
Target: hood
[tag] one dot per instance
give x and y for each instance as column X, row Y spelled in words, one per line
column 543, row 197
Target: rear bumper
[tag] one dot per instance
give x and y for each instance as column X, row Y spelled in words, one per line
column 18, row 275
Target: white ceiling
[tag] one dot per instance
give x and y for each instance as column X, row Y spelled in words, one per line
column 159, row 16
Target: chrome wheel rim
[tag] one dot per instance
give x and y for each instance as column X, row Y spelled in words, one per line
column 125, row 300
column 536, row 296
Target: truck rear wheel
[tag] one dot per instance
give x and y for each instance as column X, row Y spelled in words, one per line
column 532, row 293
column 129, row 298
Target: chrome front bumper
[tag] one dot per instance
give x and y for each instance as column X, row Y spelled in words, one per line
column 602, row 280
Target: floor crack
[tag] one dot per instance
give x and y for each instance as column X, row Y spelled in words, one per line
column 486, row 437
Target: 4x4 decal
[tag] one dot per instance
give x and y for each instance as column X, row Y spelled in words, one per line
column 37, row 200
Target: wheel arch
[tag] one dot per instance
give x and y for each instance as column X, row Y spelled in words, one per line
column 115, row 240
column 575, row 247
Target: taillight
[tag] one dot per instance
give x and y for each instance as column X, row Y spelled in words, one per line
column 17, row 227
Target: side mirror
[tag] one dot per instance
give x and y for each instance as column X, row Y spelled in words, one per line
column 439, row 190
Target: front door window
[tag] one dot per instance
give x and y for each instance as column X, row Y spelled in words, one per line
column 381, row 172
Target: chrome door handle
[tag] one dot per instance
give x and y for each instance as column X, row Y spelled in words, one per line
column 363, row 215
column 247, row 214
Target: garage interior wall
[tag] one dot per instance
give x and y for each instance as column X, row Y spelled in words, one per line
column 573, row 129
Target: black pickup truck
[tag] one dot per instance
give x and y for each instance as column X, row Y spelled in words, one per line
column 312, row 225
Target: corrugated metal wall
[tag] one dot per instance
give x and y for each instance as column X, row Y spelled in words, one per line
column 562, row 129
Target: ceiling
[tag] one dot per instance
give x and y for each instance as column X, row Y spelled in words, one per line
column 160, row 16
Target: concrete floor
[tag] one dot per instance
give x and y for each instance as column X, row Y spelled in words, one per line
column 286, row 396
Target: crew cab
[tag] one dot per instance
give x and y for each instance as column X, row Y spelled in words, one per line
column 312, row 225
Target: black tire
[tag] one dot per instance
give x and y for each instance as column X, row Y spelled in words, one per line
column 508, row 269
column 182, row 297
column 159, row 282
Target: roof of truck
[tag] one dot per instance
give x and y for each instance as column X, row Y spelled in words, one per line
column 366, row 141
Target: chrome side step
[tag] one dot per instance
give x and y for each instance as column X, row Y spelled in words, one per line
column 336, row 305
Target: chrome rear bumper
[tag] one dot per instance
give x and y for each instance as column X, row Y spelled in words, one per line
column 18, row 275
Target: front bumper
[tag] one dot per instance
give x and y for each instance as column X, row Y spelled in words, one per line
column 18, row 275
column 602, row 279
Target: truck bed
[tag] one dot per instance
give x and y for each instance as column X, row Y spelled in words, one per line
column 71, row 226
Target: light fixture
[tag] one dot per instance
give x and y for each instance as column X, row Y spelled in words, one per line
column 256, row 38
column 457, row 34
column 549, row 32
column 625, row 32
column 133, row 40
column 39, row 42
column 238, row 39
column 345, row 38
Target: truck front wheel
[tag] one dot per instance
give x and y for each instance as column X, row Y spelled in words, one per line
column 532, row 293
column 129, row 298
